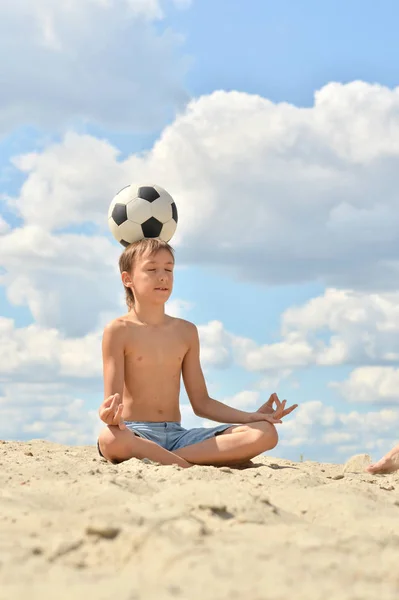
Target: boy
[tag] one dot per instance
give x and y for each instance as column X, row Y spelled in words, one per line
column 145, row 352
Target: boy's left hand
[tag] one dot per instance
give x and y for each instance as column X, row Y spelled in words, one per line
column 273, row 408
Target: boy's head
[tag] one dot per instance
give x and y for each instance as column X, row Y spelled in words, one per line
column 146, row 270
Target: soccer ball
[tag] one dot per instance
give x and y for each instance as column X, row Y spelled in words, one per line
column 138, row 212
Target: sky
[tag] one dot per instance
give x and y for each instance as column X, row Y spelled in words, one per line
column 275, row 127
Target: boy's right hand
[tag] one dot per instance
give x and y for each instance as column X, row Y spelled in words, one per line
column 111, row 411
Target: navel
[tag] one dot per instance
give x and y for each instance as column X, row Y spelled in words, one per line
column 139, row 358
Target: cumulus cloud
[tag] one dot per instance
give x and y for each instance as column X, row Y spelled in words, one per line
column 92, row 60
column 215, row 345
column 321, row 432
column 69, row 183
column 43, row 355
column 371, row 385
column 307, row 200
column 43, row 375
column 338, row 327
column 301, row 203
column 46, row 411
column 4, row 226
column 318, row 431
column 286, row 194
column 176, row 307
column 67, row 281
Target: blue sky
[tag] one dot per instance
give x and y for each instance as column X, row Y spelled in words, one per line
column 313, row 294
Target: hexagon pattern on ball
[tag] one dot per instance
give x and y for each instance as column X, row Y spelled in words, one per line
column 174, row 212
column 119, row 213
column 130, row 231
column 152, row 228
column 148, row 193
column 122, row 197
column 168, row 230
column 138, row 211
column 145, row 211
column 162, row 209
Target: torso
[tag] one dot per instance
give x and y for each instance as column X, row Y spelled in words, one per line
column 153, row 365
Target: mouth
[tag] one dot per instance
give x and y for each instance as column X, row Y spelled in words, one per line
column 162, row 289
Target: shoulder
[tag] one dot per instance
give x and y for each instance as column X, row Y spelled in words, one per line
column 187, row 329
column 115, row 328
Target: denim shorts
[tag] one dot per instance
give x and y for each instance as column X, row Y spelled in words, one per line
column 170, row 434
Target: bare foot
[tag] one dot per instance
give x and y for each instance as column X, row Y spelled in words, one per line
column 388, row 464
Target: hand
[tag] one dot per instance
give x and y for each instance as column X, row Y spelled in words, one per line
column 111, row 411
column 278, row 412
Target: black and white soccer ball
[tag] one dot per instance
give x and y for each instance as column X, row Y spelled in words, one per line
column 145, row 211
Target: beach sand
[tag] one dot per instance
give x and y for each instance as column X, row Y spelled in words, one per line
column 74, row 526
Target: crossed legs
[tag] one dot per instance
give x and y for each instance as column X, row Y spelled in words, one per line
column 236, row 445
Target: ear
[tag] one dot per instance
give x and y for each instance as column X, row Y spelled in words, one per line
column 126, row 279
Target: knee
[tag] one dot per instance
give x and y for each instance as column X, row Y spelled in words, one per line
column 110, row 443
column 108, row 436
column 264, row 436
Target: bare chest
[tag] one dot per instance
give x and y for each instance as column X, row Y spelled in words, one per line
column 155, row 349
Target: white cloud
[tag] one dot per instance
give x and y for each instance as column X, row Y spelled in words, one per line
column 274, row 377
column 338, row 327
column 297, row 203
column 70, row 183
column 33, row 353
column 177, row 307
column 371, row 385
column 97, row 60
column 215, row 345
column 304, row 201
column 46, row 411
column 245, row 400
column 67, row 281
column 4, row 226
column 292, row 352
column 319, row 430
column 40, row 369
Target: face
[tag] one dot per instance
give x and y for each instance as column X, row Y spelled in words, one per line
column 152, row 277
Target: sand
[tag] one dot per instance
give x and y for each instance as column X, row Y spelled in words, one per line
column 74, row 526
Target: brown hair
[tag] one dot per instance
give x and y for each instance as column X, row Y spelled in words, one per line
column 136, row 250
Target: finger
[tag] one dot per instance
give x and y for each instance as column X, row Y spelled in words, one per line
column 277, row 401
column 109, row 411
column 270, row 402
column 107, row 403
column 280, row 409
column 115, row 403
column 290, row 409
column 121, row 422
column 272, row 419
column 117, row 415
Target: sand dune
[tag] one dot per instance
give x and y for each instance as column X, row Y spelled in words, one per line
column 73, row 526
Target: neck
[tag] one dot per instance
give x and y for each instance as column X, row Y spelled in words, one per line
column 149, row 315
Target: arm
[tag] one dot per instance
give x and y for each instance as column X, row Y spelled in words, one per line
column 113, row 349
column 197, row 392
